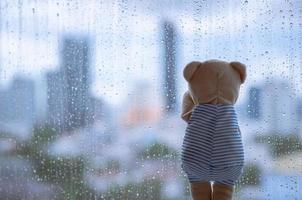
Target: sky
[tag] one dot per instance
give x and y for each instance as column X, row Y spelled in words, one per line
column 127, row 39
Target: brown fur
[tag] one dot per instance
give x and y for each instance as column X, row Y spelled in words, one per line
column 212, row 81
column 205, row 191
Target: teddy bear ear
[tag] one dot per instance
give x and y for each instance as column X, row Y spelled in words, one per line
column 190, row 68
column 240, row 68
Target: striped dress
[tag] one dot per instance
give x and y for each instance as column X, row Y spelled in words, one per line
column 212, row 148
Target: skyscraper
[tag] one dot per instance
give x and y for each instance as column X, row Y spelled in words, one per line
column 169, row 39
column 68, row 89
column 254, row 103
column 75, row 64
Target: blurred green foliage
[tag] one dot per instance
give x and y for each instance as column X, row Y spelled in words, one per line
column 251, row 176
column 110, row 166
column 280, row 145
column 146, row 190
column 66, row 173
column 158, row 150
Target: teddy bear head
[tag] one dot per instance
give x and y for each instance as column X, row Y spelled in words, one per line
column 214, row 81
column 217, row 65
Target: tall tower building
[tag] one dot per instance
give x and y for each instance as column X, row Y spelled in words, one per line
column 169, row 40
column 68, row 89
column 75, row 64
column 254, row 103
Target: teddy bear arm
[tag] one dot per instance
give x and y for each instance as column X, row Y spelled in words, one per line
column 187, row 106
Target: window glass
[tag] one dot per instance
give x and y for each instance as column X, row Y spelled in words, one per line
column 91, row 91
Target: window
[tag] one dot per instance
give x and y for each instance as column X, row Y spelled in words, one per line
column 90, row 95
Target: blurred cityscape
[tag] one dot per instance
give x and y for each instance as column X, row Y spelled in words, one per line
column 74, row 144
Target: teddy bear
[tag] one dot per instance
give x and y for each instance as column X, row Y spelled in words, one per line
column 212, row 154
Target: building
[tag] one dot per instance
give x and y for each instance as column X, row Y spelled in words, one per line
column 68, row 88
column 274, row 107
column 17, row 108
column 170, row 92
column 75, row 68
column 56, row 100
column 254, row 103
column 17, row 102
column 141, row 108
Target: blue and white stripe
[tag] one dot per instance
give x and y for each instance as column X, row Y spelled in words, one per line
column 212, row 148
